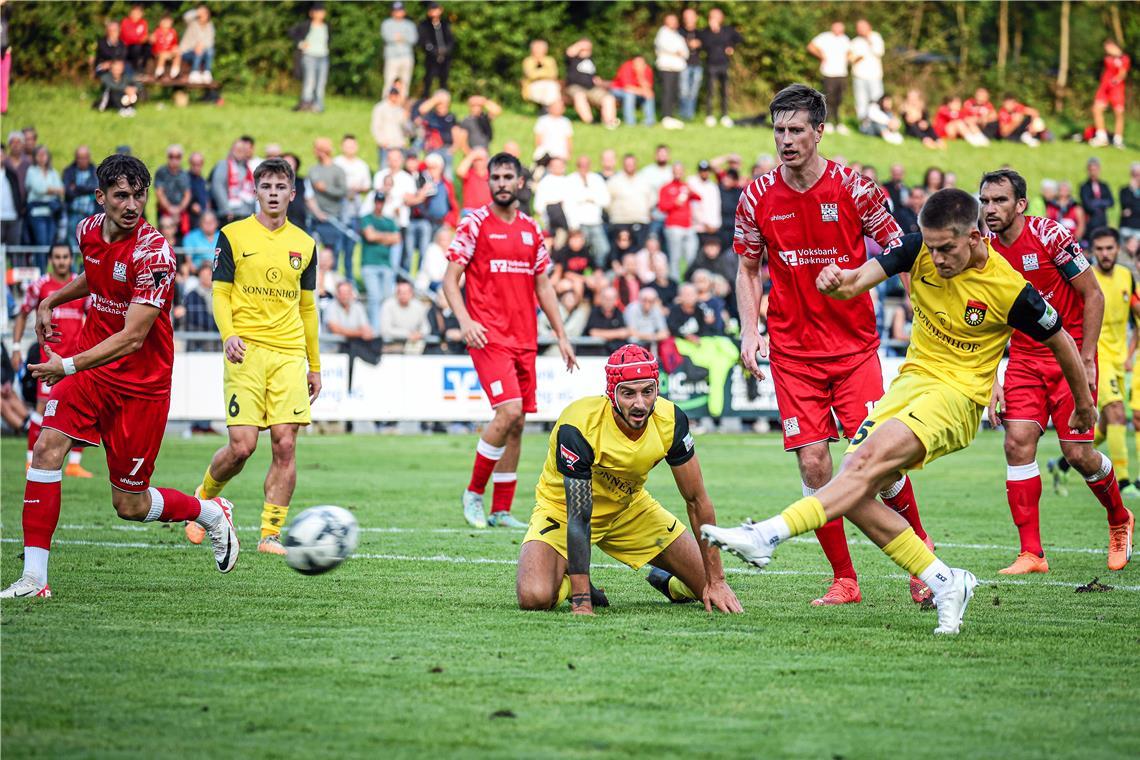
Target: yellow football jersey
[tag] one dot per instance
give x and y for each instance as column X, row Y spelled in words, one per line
column 268, row 269
column 1118, row 287
column 961, row 325
column 587, row 443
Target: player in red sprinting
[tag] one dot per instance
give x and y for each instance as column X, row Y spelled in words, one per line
column 503, row 255
column 1034, row 389
column 68, row 321
column 1111, row 93
column 115, row 388
column 804, row 215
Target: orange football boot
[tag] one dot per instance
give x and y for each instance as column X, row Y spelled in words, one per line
column 1026, row 563
column 1120, row 543
column 842, row 591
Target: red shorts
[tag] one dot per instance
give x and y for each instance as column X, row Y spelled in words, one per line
column 812, row 395
column 1036, row 391
column 506, row 374
column 1111, row 93
column 130, row 428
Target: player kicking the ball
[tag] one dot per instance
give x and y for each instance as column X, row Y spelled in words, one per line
column 967, row 299
column 804, row 215
column 502, row 253
column 116, row 387
column 265, row 279
column 592, row 491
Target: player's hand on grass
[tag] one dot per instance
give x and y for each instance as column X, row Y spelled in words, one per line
column 580, row 604
column 997, row 405
column 1083, row 419
column 751, row 344
column 567, row 352
column 51, row 371
column 235, row 350
column 474, row 334
column 314, row 380
column 717, row 594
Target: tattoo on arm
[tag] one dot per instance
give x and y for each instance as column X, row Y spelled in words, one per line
column 579, row 508
column 579, row 600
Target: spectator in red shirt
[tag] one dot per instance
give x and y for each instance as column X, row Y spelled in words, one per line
column 675, row 201
column 472, row 170
column 983, row 111
column 164, row 48
column 1017, row 121
column 1111, row 93
column 951, row 123
column 135, row 33
column 633, row 86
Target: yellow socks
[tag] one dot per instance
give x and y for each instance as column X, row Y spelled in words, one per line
column 563, row 591
column 272, row 519
column 1098, row 437
column 210, row 488
column 909, row 552
column 1118, row 450
column 805, row 515
column 679, row 591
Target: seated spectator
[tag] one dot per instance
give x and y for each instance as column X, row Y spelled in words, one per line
column 327, row 276
column 917, row 120
column 1017, row 121
column 633, row 86
column 896, row 186
column 197, row 45
column 982, row 110
column 607, row 322
column 626, row 281
column 951, row 123
column 623, row 244
column 199, row 303
column 709, row 288
column 108, row 50
column 571, row 263
column 713, row 260
column 689, row 319
column 553, row 134
column 706, row 209
column 168, row 226
column 44, row 198
column 933, row 180
column 403, row 320
column 134, row 31
column 1068, row 211
column 907, row 214
column 120, row 90
column 380, row 234
column 472, row 170
column 586, row 89
column 164, row 48
column 391, row 123
column 586, row 198
column 172, row 188
column 1130, row 207
column 632, row 200
column 575, row 314
column 434, row 261
column 881, row 121
column 345, row 317
column 901, row 322
column 540, row 83
column 477, row 124
column 445, row 325
column 1045, row 203
column 665, row 285
column 645, row 319
column 200, row 242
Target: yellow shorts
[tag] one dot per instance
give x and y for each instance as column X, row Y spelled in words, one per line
column 267, row 388
column 1110, row 386
column 943, row 418
column 634, row 535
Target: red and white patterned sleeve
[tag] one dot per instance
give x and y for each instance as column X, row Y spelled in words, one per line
column 462, row 248
column 874, row 210
column 542, row 262
column 32, row 296
column 154, row 269
column 747, row 239
column 1063, row 249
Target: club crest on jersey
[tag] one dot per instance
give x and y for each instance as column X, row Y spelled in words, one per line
column 295, row 259
column 829, row 212
column 792, row 426
column 49, row 410
column 1029, row 262
column 568, row 456
column 975, row 313
column 528, row 238
column 120, row 271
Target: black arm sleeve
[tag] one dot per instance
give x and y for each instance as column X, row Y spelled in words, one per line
column 574, row 457
column 1032, row 315
column 224, row 260
column 901, row 258
column 309, row 276
column 682, row 449
column 579, row 512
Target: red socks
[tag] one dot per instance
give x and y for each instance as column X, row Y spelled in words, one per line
column 833, row 539
column 486, row 457
column 900, row 498
column 41, row 507
column 168, row 505
column 1023, row 489
column 1107, row 492
column 504, row 493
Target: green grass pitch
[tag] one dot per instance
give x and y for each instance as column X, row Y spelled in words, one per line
column 414, row 647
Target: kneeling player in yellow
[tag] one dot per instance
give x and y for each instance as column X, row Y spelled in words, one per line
column 592, row 491
column 967, row 299
column 265, row 277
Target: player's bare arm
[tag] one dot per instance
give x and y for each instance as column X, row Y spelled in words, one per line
column 845, row 284
column 140, row 318
column 691, row 485
column 579, row 510
column 474, row 334
column 548, row 302
column 45, row 329
column 749, row 290
column 1085, row 283
column 1064, row 349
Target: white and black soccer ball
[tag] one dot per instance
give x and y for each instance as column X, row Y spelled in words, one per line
column 320, row 538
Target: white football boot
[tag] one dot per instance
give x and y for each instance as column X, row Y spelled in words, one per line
column 952, row 602
column 746, row 542
column 473, row 509
column 224, row 538
column 26, row 587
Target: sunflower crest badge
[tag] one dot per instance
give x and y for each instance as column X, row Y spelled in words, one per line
column 975, row 313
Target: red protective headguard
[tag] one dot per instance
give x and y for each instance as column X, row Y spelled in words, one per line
column 627, row 364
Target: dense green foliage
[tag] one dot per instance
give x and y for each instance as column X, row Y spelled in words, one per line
column 53, row 40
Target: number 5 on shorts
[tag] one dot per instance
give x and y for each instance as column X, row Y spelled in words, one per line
column 862, row 433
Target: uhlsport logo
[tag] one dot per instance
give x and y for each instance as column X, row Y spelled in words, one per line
column 461, row 383
column 975, row 313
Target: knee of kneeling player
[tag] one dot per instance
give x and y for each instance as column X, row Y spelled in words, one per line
column 532, row 598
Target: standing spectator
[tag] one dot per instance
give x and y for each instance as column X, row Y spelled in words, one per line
column 633, row 86
column 198, row 45
column 120, row 90
column 79, row 186
column 397, row 196
column 586, row 197
column 540, row 83
column 1068, row 211
column 477, row 124
column 982, row 110
column 330, row 188
column 380, row 235
column 403, row 320
column 646, row 318
column 719, row 42
column 327, row 277
column 656, row 176
column 438, row 43
column 706, row 210
column 896, row 186
column 907, row 215
column 109, row 48
column 571, row 262
column 433, row 205
column 631, row 201
column 586, row 88
column 1111, row 93
column 675, row 201
column 172, row 188
column 313, row 41
column 441, row 128
column 550, row 195
column 690, row 319
column 472, row 171
column 867, row 51
column 298, row 211
column 606, row 321
column 231, row 184
column 1130, row 210
column 11, row 205
column 729, row 190
column 933, row 180
column 391, row 125
column 199, row 188
column 608, row 166
column 665, row 285
column 164, row 48
column 553, row 134
column 5, row 59
column 671, row 53
column 135, row 32
column 1096, row 197
column 44, row 199
column 433, row 265
column 358, row 176
column 200, row 242
column 199, row 303
column 713, row 260
column 691, row 76
column 833, row 49
column 400, row 36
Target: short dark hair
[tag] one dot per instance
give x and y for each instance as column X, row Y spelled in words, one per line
column 121, row 166
column 501, row 159
column 800, row 97
column 1103, row 232
column 273, row 166
column 1020, row 191
column 952, row 209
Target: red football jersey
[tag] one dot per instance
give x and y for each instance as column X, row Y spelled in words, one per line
column 802, row 233
column 1114, row 66
column 68, row 318
column 139, row 269
column 1046, row 254
column 501, row 263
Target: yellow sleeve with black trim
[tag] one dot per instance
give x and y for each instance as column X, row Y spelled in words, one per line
column 309, row 319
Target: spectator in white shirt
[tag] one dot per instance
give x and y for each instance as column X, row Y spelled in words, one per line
column 404, row 320
column 434, row 263
column 550, row 196
column 345, row 315
column 553, row 133
column 867, row 51
column 357, row 175
column 672, row 55
column 881, row 121
column 390, row 123
column 631, row 201
column 586, row 197
column 706, row 211
column 833, row 49
column 396, row 198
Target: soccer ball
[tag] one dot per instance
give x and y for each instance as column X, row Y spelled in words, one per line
column 320, row 538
